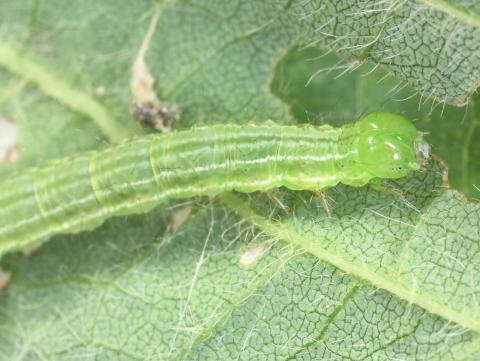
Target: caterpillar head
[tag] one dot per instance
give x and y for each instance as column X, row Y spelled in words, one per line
column 390, row 146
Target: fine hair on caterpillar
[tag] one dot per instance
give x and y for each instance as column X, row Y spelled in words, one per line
column 77, row 194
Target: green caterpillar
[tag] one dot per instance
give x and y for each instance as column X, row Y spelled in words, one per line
column 80, row 193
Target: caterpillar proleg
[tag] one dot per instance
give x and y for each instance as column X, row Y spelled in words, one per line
column 80, row 193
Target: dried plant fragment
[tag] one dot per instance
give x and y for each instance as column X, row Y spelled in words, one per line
column 252, row 255
column 8, row 142
column 5, row 278
column 148, row 109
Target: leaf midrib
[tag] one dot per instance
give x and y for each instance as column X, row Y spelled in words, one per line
column 282, row 231
column 57, row 89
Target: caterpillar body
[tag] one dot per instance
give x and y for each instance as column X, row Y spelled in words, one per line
column 80, row 193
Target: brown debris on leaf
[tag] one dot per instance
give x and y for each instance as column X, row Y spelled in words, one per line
column 179, row 217
column 444, row 168
column 5, row 278
column 157, row 115
column 148, row 108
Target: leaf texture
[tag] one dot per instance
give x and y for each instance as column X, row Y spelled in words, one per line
column 390, row 275
column 431, row 44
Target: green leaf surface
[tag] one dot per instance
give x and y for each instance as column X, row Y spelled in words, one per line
column 430, row 44
column 390, row 275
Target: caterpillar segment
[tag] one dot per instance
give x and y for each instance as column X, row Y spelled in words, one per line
column 79, row 193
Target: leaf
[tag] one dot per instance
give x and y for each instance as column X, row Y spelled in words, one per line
column 430, row 44
column 391, row 275
column 130, row 297
column 414, row 252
